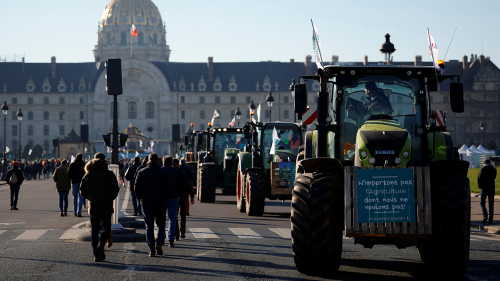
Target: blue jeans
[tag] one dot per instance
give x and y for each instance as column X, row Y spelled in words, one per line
column 491, row 202
column 172, row 206
column 14, row 194
column 96, row 222
column 77, row 198
column 154, row 212
column 135, row 202
column 63, row 198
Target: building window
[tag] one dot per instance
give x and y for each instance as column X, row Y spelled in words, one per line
column 14, row 145
column 46, row 145
column 30, row 130
column 30, row 100
column 132, row 110
column 82, row 101
column 233, row 99
column 149, row 129
column 248, row 99
column 61, row 130
column 155, row 39
column 117, row 111
column 14, row 115
column 183, row 99
column 286, row 115
column 45, row 130
column 445, row 98
column 61, row 100
column 45, row 100
column 202, row 114
column 150, row 110
column 285, row 99
column 45, row 115
column 123, row 38
column 183, row 114
column 399, row 98
column 202, row 99
column 61, row 115
column 266, row 114
column 30, row 115
column 82, row 115
column 217, row 99
column 14, row 130
column 202, row 127
column 140, row 38
column 14, row 100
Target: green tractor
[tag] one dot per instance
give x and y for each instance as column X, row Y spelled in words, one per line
column 262, row 175
column 377, row 168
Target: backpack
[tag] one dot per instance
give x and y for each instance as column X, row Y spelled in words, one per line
column 13, row 178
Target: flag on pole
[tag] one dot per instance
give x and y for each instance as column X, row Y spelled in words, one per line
column 133, row 31
column 276, row 139
column 434, row 50
column 29, row 153
column 231, row 124
column 85, row 149
column 216, row 114
column 152, row 143
column 258, row 111
column 72, row 159
column 108, row 150
column 317, row 46
column 136, row 153
column 7, row 149
column 140, row 143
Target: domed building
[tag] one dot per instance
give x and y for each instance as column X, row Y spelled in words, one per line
column 115, row 39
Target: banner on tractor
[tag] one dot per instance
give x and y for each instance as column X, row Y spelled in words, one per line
column 385, row 195
column 286, row 174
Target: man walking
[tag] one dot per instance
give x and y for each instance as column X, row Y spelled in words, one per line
column 63, row 186
column 14, row 178
column 130, row 176
column 153, row 187
column 486, row 182
column 186, row 191
column 173, row 200
column 100, row 186
column 76, row 171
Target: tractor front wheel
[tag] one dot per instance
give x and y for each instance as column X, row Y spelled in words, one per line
column 207, row 184
column 240, row 184
column 255, row 184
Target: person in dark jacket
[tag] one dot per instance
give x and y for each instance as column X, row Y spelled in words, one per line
column 76, row 171
column 63, row 186
column 191, row 178
column 15, row 184
column 100, row 186
column 187, row 189
column 130, row 176
column 34, row 170
column 153, row 187
column 378, row 102
column 173, row 199
column 143, row 165
column 486, row 182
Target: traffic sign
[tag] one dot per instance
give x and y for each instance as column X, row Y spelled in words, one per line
column 309, row 116
column 440, row 118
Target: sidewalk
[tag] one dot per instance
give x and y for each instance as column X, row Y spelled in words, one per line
column 477, row 215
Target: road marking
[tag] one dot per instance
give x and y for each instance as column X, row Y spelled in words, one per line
column 73, row 233
column 203, row 233
column 245, row 233
column 79, row 224
column 125, row 200
column 31, row 234
column 283, row 232
column 484, row 237
column 2, row 231
column 11, row 223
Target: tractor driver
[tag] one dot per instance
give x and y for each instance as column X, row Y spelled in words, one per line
column 229, row 142
column 295, row 141
column 379, row 103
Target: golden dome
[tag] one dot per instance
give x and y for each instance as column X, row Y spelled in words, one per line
column 128, row 12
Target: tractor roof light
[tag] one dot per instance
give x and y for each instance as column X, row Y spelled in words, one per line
column 209, row 124
column 342, row 72
column 219, row 130
column 441, row 64
column 421, row 92
column 224, row 129
column 192, row 124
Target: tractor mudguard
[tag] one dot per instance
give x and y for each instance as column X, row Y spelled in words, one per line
column 324, row 165
column 309, row 145
column 245, row 161
column 449, row 167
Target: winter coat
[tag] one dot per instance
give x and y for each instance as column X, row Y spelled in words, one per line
column 486, row 177
column 179, row 182
column 130, row 175
column 61, row 178
column 76, row 171
column 19, row 175
column 100, row 186
column 153, row 185
column 189, row 179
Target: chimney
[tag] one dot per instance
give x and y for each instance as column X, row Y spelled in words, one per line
column 335, row 60
column 53, row 66
column 210, row 65
column 292, row 60
column 308, row 65
column 465, row 65
column 418, row 60
column 365, row 60
column 23, row 65
column 482, row 61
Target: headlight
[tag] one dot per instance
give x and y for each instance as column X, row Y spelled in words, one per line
column 397, row 160
column 229, row 157
column 405, row 154
column 363, row 154
column 371, row 160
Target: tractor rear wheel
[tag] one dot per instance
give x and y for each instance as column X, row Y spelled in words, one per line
column 448, row 247
column 255, row 200
column 317, row 223
column 207, row 183
column 240, row 184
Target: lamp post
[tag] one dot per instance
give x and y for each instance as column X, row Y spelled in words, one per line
column 481, row 128
column 5, row 109
column 20, row 118
column 270, row 100
column 470, row 136
column 387, row 49
column 238, row 116
column 251, row 106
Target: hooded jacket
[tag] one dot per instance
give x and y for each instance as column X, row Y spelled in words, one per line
column 486, row 177
column 100, row 187
column 61, row 178
column 76, row 170
column 153, row 185
column 19, row 175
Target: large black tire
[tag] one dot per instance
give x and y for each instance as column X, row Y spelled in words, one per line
column 447, row 249
column 240, row 188
column 317, row 223
column 208, row 183
column 254, row 191
column 194, row 170
column 298, row 168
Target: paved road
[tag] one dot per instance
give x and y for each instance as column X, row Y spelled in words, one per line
column 36, row 243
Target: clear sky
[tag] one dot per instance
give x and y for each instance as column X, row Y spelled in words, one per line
column 258, row 30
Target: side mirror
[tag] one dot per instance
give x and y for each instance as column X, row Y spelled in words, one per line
column 300, row 101
column 432, row 84
column 457, row 97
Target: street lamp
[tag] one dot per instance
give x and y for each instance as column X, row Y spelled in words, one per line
column 270, row 100
column 5, row 109
column 251, row 106
column 481, row 128
column 20, row 118
column 238, row 116
column 387, row 49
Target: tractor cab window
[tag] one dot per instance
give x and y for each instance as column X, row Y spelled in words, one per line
column 288, row 139
column 225, row 140
column 373, row 97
